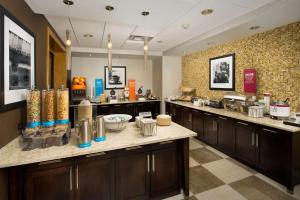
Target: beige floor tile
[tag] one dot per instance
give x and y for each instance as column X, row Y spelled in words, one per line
column 254, row 188
column 193, row 162
column 227, row 171
column 202, row 180
column 224, row 192
column 297, row 192
column 271, row 182
column 194, row 144
column 177, row 197
column 249, row 169
column 219, row 153
column 203, row 155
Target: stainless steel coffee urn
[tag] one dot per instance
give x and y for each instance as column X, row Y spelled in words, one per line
column 99, row 133
column 84, row 133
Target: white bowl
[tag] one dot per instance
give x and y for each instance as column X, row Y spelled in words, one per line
column 116, row 122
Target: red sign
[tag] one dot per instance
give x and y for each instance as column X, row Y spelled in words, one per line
column 250, row 81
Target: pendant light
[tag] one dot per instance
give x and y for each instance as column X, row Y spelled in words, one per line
column 68, row 38
column 109, row 43
column 145, row 14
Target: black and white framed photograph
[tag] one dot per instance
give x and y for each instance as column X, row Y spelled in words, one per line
column 222, row 72
column 17, row 61
column 115, row 79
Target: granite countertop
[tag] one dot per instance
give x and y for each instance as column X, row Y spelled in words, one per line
column 12, row 154
column 266, row 121
column 120, row 102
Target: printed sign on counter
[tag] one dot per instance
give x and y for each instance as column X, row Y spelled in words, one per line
column 250, row 81
column 98, row 87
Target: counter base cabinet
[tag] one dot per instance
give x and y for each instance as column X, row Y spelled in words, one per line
column 152, row 171
column 273, row 152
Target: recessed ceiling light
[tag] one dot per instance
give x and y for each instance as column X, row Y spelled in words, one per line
column 109, row 8
column 159, row 41
column 68, row 2
column 88, row 35
column 145, row 13
column 207, row 11
column 254, row 28
column 185, row 26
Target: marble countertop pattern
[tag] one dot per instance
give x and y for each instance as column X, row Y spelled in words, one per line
column 12, row 154
column 266, row 121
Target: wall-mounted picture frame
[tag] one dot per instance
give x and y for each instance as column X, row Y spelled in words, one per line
column 116, row 79
column 17, row 60
column 222, row 73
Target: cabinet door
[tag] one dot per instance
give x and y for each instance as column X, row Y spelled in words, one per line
column 197, row 125
column 164, row 171
column 225, row 134
column 94, row 177
column 147, row 107
column 274, row 146
column 210, row 128
column 168, row 108
column 178, row 115
column 245, row 148
column 133, row 175
column 187, row 118
column 103, row 110
column 49, row 181
column 123, row 109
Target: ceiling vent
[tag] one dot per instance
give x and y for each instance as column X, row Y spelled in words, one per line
column 138, row 39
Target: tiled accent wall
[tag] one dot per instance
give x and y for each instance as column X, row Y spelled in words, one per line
column 274, row 54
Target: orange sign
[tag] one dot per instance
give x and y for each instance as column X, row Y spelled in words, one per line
column 132, row 95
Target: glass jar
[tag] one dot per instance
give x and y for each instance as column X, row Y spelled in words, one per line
column 33, row 100
column 62, row 111
column 48, row 108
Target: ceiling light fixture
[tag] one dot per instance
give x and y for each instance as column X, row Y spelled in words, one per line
column 145, row 14
column 68, row 2
column 207, row 11
column 68, row 38
column 88, row 35
column 109, row 43
column 254, row 28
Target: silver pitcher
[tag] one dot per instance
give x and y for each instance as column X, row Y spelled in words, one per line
column 84, row 133
column 99, row 132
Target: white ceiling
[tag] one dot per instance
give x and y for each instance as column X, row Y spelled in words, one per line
column 231, row 19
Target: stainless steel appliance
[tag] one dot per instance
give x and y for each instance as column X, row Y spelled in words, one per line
column 84, row 133
column 215, row 104
column 99, row 133
column 237, row 102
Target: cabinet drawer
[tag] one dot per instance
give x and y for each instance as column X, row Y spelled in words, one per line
column 133, row 150
column 165, row 144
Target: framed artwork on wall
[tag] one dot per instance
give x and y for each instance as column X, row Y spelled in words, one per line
column 222, row 72
column 17, row 59
column 116, row 79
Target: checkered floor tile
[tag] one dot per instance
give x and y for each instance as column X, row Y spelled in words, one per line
column 216, row 176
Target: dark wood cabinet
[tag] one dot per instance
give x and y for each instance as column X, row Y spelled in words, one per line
column 133, row 174
column 187, row 118
column 225, row 134
column 49, row 180
column 197, row 123
column 245, row 142
column 103, row 110
column 273, row 146
column 178, row 115
column 164, row 171
column 123, row 109
column 152, row 107
column 209, row 128
column 95, row 177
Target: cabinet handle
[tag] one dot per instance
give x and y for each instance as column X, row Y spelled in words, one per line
column 268, row 130
column 50, row 162
column 71, row 181
column 117, row 105
column 77, row 184
column 166, row 142
column 242, row 123
column 195, row 111
column 153, row 163
column 95, row 154
column 257, row 140
column 207, row 114
column 252, row 139
column 133, row 148
column 222, row 118
column 148, row 163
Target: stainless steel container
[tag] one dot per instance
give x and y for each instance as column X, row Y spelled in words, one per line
column 99, row 133
column 84, row 133
column 148, row 127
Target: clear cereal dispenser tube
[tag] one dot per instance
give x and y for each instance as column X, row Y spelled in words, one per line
column 33, row 100
column 48, row 108
column 62, row 110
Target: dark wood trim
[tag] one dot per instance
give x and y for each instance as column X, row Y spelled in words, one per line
column 186, row 169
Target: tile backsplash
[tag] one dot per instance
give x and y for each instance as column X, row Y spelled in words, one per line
column 274, row 54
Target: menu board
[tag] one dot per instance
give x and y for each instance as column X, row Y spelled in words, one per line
column 250, row 81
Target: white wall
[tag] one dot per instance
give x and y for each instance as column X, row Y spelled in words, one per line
column 157, row 76
column 93, row 68
column 171, row 76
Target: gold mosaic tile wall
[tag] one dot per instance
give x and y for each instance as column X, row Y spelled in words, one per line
column 274, row 54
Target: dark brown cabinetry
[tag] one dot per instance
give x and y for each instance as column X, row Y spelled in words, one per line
column 123, row 109
column 187, row 118
column 178, row 114
column 225, row 134
column 152, row 107
column 49, row 180
column 245, row 142
column 209, row 128
column 197, row 123
column 103, row 110
column 94, row 177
